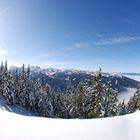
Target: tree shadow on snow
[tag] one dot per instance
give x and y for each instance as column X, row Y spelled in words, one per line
column 15, row 108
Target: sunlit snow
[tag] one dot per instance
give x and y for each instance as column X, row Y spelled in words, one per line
column 15, row 127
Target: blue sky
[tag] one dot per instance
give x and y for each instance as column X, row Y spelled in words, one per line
column 77, row 34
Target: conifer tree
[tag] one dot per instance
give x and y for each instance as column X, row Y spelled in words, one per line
column 23, row 87
column 95, row 92
column 57, row 102
column 69, row 108
column 134, row 102
column 121, row 108
column 106, row 100
column 16, row 86
column 137, row 99
column 34, row 96
column 1, row 78
column 47, row 104
column 131, row 105
column 8, row 88
column 81, row 100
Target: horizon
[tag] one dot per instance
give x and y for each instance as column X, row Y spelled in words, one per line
column 69, row 34
column 65, row 69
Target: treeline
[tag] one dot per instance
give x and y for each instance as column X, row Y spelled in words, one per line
column 91, row 99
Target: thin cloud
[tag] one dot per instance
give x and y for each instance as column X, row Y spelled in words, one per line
column 43, row 56
column 105, row 41
column 117, row 40
column 98, row 35
column 77, row 46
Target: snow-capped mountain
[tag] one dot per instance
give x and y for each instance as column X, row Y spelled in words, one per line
column 59, row 78
column 51, row 71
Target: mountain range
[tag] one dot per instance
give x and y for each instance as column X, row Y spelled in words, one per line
column 58, row 78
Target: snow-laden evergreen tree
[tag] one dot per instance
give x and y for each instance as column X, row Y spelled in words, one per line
column 69, row 104
column 81, row 100
column 134, row 102
column 34, row 96
column 109, row 101
column 22, row 84
column 29, row 87
column 113, row 104
column 122, row 108
column 48, row 109
column 16, row 86
column 1, row 78
column 25, row 86
column 131, row 105
column 95, row 93
column 137, row 99
column 58, row 105
column 106, row 100
column 40, row 109
column 8, row 86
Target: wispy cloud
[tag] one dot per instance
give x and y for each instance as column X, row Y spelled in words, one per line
column 104, row 41
column 77, row 46
column 98, row 35
column 43, row 56
column 116, row 40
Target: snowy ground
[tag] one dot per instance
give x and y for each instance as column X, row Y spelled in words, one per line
column 15, row 109
column 125, row 95
column 15, row 127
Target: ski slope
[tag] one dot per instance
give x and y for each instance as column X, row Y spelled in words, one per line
column 14, row 127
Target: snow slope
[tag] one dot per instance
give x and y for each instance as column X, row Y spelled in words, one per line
column 15, row 109
column 15, row 127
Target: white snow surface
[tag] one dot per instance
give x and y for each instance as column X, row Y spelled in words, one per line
column 15, row 127
column 125, row 95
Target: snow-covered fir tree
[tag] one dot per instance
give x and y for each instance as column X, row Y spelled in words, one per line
column 134, row 102
column 109, row 100
column 95, row 92
column 81, row 100
column 68, row 102
column 122, row 108
column 8, row 86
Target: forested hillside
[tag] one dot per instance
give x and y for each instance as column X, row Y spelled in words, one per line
column 90, row 99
